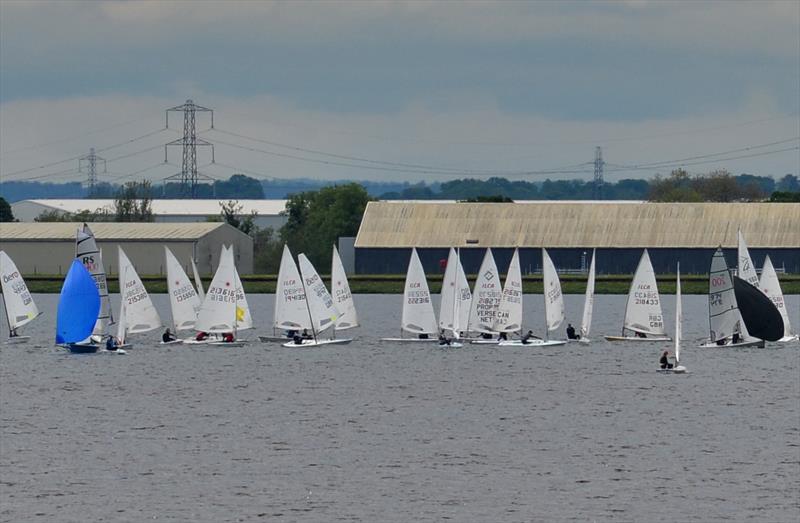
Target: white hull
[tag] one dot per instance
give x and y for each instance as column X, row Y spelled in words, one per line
column 485, row 342
column 585, row 341
column 746, row 343
column 789, row 339
column 317, row 343
column 680, row 369
column 227, row 343
column 173, row 342
column 532, row 343
column 273, row 339
column 451, row 345
column 637, row 339
column 16, row 340
column 411, row 340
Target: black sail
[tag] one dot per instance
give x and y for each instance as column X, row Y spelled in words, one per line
column 762, row 319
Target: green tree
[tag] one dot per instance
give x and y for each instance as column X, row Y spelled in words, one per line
column 785, row 196
column 677, row 187
column 231, row 213
column 83, row 215
column 133, row 203
column 5, row 211
column 316, row 219
column 239, row 186
column 488, row 199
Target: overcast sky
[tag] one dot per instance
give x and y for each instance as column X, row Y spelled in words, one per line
column 402, row 90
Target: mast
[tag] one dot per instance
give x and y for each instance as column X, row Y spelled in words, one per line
column 308, row 307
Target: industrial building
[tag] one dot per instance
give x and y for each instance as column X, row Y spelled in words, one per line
column 672, row 232
column 49, row 248
column 268, row 213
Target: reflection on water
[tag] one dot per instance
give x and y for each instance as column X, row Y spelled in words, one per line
column 380, row 432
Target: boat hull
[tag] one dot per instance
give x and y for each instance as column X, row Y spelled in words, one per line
column 16, row 340
column 637, row 339
column 728, row 344
column 789, row 339
column 680, row 369
column 82, row 348
column 485, row 342
column 318, row 343
column 273, row 339
column 451, row 345
column 531, row 343
column 411, row 340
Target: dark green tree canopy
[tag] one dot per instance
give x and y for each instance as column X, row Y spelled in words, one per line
column 5, row 211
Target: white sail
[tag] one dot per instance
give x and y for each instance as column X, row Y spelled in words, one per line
column 418, row 315
column 678, row 317
column 291, row 311
column 342, row 295
column 770, row 286
column 509, row 311
column 723, row 311
column 643, row 310
column 244, row 319
column 89, row 255
column 20, row 308
column 320, row 303
column 140, row 314
column 455, row 296
column 553, row 298
column 183, row 299
column 198, row 282
column 486, row 296
column 746, row 269
column 588, row 303
column 218, row 310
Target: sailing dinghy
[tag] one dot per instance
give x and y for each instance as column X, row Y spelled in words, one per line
column 644, row 321
column 17, row 300
column 588, row 305
column 455, row 300
column 183, row 299
column 418, row 316
column 92, row 259
column 677, row 368
column 137, row 313
column 486, row 297
column 321, row 313
column 222, row 311
column 724, row 320
column 553, row 307
column 342, row 297
column 78, row 307
column 770, row 286
column 290, row 312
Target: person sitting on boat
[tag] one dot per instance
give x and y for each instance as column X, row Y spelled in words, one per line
column 736, row 338
column 12, row 333
column 486, row 335
column 502, row 336
column 291, row 333
column 664, row 361
column 111, row 343
column 423, row 336
column 298, row 340
column 227, row 337
column 443, row 340
column 201, row 336
column 527, row 338
column 571, row 332
column 168, row 336
column 306, row 335
column 640, row 334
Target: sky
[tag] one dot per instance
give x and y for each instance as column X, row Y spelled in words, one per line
column 400, row 91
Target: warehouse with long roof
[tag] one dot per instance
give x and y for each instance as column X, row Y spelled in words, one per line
column 672, row 232
column 49, row 248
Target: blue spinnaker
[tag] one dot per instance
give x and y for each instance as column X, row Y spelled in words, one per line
column 78, row 305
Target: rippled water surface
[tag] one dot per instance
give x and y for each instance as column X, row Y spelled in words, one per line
column 387, row 432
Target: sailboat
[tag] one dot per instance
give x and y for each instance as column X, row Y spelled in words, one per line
column 553, row 306
column 588, row 305
column 17, row 300
column 725, row 322
column 508, row 315
column 137, row 313
column 221, row 312
column 455, row 299
column 418, row 316
column 291, row 312
column 644, row 321
column 770, row 286
column 486, row 298
column 321, row 311
column 198, row 282
column 746, row 270
column 90, row 256
column 342, row 296
column 183, row 299
column 677, row 368
column 78, row 307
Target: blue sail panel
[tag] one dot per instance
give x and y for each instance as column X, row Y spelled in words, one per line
column 78, row 305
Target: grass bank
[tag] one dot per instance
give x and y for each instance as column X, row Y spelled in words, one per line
column 393, row 283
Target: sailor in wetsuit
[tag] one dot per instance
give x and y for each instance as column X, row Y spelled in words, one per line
column 571, row 333
column 664, row 361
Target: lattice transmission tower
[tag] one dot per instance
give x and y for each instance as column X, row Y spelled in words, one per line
column 89, row 164
column 189, row 176
column 597, row 190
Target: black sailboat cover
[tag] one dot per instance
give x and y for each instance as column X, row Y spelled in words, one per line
column 762, row 319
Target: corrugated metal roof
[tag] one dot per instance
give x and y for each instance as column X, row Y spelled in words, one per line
column 595, row 224
column 109, row 231
column 165, row 207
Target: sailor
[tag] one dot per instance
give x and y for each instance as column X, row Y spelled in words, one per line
column 12, row 333
column 423, row 336
column 571, row 332
column 502, row 336
column 111, row 343
column 201, row 336
column 443, row 340
column 526, row 339
column 227, row 337
column 291, row 333
column 306, row 335
column 168, row 336
column 664, row 361
column 640, row 334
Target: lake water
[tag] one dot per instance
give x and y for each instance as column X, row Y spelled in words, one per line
column 401, row 433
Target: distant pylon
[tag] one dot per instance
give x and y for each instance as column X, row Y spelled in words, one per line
column 597, row 190
column 89, row 164
column 188, row 175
